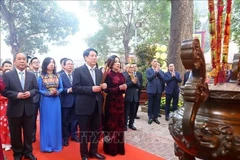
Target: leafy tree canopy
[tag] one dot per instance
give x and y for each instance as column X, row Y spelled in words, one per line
column 118, row 18
column 235, row 22
column 32, row 25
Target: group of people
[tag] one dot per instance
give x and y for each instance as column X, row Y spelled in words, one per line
column 99, row 101
column 157, row 83
column 67, row 99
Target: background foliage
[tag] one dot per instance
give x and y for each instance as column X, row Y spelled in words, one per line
column 117, row 20
column 31, row 26
column 235, row 28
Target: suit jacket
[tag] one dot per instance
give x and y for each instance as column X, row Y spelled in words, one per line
column 82, row 86
column 16, row 107
column 140, row 79
column 155, row 82
column 36, row 98
column 172, row 83
column 131, row 94
column 67, row 99
column 186, row 76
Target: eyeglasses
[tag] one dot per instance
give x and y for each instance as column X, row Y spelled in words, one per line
column 36, row 62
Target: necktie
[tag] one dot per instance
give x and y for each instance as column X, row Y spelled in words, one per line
column 93, row 75
column 70, row 78
column 22, row 79
column 190, row 75
column 36, row 74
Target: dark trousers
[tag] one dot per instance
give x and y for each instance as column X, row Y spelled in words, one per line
column 69, row 123
column 129, row 110
column 89, row 128
column 36, row 107
column 16, row 126
column 137, row 104
column 153, row 105
column 169, row 98
column 73, row 125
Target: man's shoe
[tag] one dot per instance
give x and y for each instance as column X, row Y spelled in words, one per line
column 65, row 143
column 30, row 157
column 137, row 117
column 75, row 139
column 132, row 127
column 97, row 155
column 17, row 158
column 167, row 118
column 34, row 139
column 150, row 121
column 159, row 115
column 156, row 121
column 84, row 158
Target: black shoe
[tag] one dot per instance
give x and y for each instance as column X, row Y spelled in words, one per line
column 65, row 143
column 137, row 117
column 34, row 139
column 97, row 155
column 18, row 158
column 132, row 127
column 125, row 128
column 156, row 121
column 75, row 139
column 84, row 158
column 159, row 115
column 150, row 121
column 167, row 118
column 30, row 157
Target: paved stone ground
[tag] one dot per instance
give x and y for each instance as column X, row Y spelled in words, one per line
column 153, row 138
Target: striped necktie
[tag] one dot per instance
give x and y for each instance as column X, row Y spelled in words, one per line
column 70, row 78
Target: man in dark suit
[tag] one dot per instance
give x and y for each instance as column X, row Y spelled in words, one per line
column 21, row 87
column 62, row 66
column 155, row 83
column 88, row 105
column 186, row 76
column 172, row 78
column 67, row 103
column 131, row 97
column 35, row 68
column 139, row 76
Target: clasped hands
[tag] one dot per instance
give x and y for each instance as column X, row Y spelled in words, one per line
column 135, row 80
column 99, row 88
column 53, row 92
column 123, row 87
column 23, row 95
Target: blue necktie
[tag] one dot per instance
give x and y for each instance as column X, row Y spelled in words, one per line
column 36, row 74
column 22, row 79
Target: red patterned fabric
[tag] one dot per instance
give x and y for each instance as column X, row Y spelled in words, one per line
column 1, row 152
column 114, row 115
column 4, row 129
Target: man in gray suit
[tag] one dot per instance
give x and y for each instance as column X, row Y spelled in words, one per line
column 21, row 86
column 88, row 104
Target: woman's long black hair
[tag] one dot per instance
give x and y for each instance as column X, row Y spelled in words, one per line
column 45, row 63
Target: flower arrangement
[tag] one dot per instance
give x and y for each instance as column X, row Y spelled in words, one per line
column 219, row 53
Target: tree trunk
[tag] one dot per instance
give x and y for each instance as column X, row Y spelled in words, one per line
column 9, row 17
column 126, row 49
column 181, row 29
